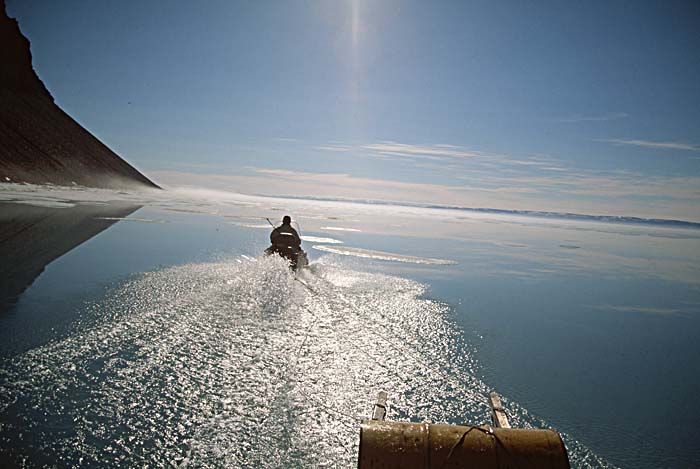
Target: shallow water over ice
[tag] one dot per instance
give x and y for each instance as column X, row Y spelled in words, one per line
column 239, row 363
column 137, row 343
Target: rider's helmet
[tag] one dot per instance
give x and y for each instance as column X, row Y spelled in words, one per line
column 286, row 220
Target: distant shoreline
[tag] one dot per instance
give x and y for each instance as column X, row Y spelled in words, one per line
column 618, row 219
column 549, row 215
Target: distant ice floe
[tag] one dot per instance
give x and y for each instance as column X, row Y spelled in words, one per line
column 142, row 220
column 314, row 239
column 384, row 256
column 336, row 228
column 244, row 217
column 46, row 203
column 182, row 210
column 248, row 225
column 656, row 311
column 90, row 203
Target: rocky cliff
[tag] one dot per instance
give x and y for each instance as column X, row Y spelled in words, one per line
column 39, row 143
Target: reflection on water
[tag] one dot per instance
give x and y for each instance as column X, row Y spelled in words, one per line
column 31, row 236
column 237, row 364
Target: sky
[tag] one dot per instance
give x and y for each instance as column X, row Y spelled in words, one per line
column 587, row 107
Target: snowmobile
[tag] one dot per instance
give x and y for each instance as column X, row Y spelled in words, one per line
column 296, row 256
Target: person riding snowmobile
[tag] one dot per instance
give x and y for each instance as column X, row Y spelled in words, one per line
column 287, row 243
column 284, row 235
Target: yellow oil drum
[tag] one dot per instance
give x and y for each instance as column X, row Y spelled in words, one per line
column 406, row 445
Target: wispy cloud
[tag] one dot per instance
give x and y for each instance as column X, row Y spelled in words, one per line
column 653, row 144
column 581, row 118
column 418, row 151
column 521, row 162
column 334, row 147
column 444, row 157
column 554, row 168
column 441, row 151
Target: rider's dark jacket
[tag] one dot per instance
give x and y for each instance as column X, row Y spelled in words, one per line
column 285, row 235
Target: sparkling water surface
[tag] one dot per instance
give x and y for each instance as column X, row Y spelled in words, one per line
column 168, row 340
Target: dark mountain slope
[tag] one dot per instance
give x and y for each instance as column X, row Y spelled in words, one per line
column 39, row 143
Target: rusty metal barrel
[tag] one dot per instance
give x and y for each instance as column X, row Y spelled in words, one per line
column 406, row 445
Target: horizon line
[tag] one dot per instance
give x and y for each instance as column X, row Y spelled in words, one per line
column 618, row 219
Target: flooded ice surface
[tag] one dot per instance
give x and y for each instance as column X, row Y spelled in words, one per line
column 206, row 360
column 237, row 364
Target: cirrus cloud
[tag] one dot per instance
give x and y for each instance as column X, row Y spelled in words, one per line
column 654, row 144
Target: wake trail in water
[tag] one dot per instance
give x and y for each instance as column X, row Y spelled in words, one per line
column 240, row 364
